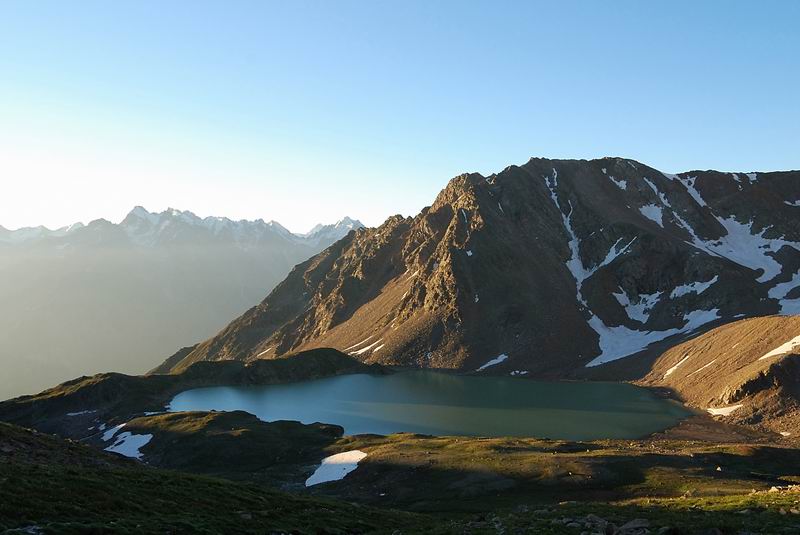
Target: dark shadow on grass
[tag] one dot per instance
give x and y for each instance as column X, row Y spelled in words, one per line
column 235, row 445
column 422, row 474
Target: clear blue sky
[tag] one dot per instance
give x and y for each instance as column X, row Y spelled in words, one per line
column 308, row 111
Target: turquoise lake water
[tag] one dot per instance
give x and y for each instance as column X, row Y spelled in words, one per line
column 444, row 404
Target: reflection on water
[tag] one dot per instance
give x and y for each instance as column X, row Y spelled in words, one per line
column 442, row 404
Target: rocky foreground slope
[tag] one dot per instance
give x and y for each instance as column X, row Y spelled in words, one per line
column 544, row 268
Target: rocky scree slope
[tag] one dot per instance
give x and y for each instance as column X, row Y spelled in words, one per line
column 746, row 372
column 545, row 268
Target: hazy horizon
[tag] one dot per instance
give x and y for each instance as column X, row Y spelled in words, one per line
column 118, row 220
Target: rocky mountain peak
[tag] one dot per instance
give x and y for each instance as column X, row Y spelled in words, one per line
column 555, row 264
column 348, row 222
column 333, row 232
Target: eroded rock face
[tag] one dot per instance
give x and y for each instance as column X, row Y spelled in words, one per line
column 554, row 265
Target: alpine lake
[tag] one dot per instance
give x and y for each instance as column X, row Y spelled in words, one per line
column 435, row 403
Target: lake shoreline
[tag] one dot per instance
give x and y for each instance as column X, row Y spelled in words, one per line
column 116, row 398
column 432, row 403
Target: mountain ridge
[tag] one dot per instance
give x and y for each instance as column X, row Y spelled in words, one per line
column 145, row 228
column 590, row 260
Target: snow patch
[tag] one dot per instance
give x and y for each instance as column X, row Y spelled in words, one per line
column 640, row 310
column 469, row 253
column 696, row 241
column 108, row 435
column 368, row 348
column 790, row 306
column 688, row 183
column 792, row 203
column 652, row 186
column 621, row 184
column 698, row 370
column 653, row 213
column 788, row 347
column 658, row 192
column 335, row 467
column 781, row 290
column 497, row 360
column 81, row 413
column 360, row 343
column 519, row 372
column 672, row 370
column 724, row 411
column 620, row 341
column 265, row 351
column 128, row 444
column 694, row 287
column 750, row 250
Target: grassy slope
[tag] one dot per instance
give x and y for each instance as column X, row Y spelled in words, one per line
column 471, row 474
column 453, row 474
column 759, row 512
column 236, row 445
column 500, row 483
column 66, row 487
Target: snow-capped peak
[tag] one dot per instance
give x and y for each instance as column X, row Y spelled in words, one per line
column 147, row 228
column 141, row 213
column 333, row 232
column 26, row 234
column 348, row 222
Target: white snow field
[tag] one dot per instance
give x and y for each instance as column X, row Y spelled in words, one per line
column 128, row 444
column 493, row 362
column 335, row 467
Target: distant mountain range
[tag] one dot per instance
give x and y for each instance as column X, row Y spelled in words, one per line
column 89, row 298
column 550, row 269
column 172, row 226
